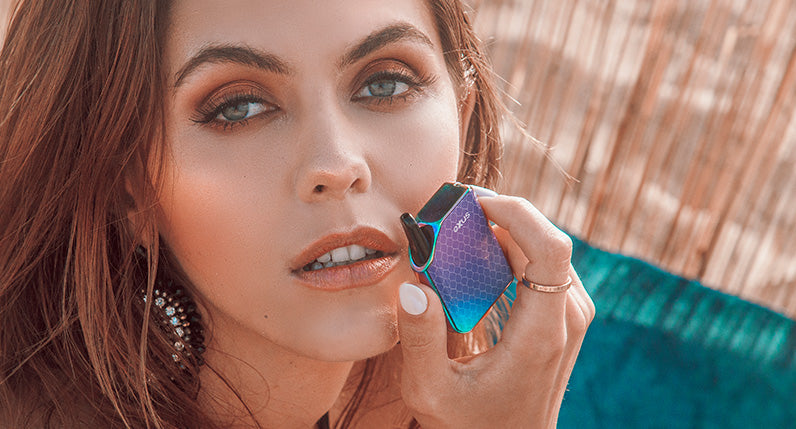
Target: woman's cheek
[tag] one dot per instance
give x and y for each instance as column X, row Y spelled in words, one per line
column 431, row 151
column 210, row 219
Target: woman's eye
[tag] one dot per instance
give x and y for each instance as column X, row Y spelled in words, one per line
column 233, row 110
column 383, row 88
column 395, row 85
column 239, row 111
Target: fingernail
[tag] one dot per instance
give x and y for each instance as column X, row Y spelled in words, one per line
column 413, row 300
column 483, row 192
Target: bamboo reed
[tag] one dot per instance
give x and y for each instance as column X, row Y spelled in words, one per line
column 675, row 117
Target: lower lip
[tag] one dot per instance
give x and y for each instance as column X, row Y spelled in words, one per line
column 358, row 274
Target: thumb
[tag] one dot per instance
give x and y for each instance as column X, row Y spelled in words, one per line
column 422, row 330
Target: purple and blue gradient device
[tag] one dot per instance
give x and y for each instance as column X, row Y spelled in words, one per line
column 455, row 252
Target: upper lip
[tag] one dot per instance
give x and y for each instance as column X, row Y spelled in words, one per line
column 364, row 236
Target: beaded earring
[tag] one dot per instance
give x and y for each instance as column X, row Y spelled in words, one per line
column 176, row 314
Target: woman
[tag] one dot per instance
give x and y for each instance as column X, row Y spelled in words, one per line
column 214, row 153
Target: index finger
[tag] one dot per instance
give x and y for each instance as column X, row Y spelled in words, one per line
column 546, row 247
column 539, row 250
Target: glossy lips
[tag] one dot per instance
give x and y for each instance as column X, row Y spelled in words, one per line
column 346, row 260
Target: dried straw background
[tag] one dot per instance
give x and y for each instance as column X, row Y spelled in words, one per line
column 675, row 119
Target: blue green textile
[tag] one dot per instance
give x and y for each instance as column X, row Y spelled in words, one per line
column 665, row 352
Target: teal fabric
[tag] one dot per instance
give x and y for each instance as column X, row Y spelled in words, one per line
column 665, row 352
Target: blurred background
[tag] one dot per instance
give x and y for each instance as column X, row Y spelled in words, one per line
column 665, row 130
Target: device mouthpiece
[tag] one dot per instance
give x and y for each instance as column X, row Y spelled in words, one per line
column 418, row 243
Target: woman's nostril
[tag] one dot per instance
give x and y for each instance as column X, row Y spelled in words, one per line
column 318, row 189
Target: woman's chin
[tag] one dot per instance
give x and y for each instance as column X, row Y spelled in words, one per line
column 355, row 343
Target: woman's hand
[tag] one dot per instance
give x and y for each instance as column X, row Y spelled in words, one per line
column 520, row 382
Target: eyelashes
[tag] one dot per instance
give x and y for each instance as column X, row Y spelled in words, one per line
column 387, row 85
column 234, row 105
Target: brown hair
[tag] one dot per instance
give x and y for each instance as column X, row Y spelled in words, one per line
column 81, row 120
column 471, row 70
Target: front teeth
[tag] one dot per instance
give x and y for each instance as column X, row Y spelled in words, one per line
column 343, row 255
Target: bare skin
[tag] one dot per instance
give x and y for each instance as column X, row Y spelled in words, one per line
column 296, row 128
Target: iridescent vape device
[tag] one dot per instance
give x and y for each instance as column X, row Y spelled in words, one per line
column 453, row 249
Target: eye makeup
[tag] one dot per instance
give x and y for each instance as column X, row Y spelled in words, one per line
column 388, row 83
column 234, row 104
column 383, row 85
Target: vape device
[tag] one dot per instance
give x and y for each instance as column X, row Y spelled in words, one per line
column 455, row 252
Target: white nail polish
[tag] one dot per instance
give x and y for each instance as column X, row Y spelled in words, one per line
column 413, row 300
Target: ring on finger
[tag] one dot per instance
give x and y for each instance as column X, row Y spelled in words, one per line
column 547, row 288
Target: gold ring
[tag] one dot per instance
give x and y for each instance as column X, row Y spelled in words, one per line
column 547, row 288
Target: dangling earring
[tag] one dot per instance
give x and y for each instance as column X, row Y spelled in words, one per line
column 175, row 313
column 177, row 316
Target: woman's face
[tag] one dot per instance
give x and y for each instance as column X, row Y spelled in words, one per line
column 299, row 132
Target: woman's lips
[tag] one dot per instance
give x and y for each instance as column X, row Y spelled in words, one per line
column 350, row 274
column 356, row 274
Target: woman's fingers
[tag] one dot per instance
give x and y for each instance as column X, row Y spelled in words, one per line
column 423, row 334
column 546, row 247
column 519, row 382
column 577, row 321
column 538, row 250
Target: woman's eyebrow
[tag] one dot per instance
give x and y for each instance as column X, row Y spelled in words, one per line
column 240, row 54
column 381, row 38
column 248, row 56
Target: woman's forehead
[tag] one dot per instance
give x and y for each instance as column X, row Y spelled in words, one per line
column 296, row 31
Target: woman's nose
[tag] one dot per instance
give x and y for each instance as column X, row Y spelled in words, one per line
column 334, row 164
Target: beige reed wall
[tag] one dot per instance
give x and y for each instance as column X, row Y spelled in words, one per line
column 675, row 117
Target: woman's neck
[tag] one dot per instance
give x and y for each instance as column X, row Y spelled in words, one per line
column 383, row 405
column 248, row 377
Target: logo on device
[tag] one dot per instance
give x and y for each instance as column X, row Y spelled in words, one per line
column 461, row 222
